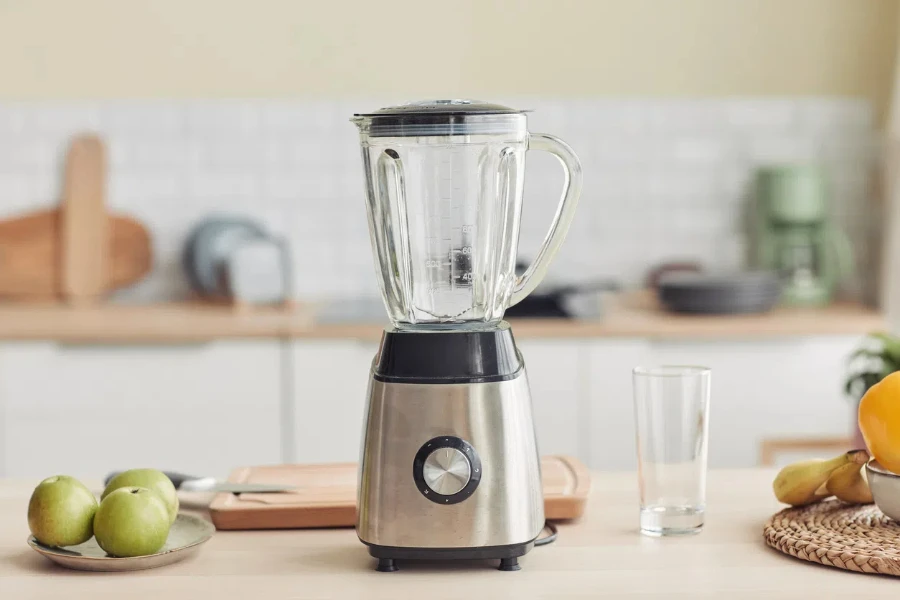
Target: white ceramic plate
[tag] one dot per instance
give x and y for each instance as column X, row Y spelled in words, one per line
column 185, row 538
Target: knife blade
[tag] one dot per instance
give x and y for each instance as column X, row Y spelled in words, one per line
column 211, row 484
column 191, row 483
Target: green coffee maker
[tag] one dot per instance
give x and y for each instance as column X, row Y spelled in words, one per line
column 795, row 235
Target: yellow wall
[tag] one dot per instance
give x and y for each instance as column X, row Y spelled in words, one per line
column 417, row 48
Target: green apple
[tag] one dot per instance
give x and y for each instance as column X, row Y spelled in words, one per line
column 61, row 512
column 131, row 521
column 150, row 479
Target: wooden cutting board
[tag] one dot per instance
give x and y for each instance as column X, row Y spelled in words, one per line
column 85, row 241
column 31, row 253
column 326, row 495
column 77, row 252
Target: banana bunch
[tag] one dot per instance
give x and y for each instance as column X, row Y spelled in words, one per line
column 809, row 481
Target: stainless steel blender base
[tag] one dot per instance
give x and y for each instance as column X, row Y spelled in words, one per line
column 420, row 437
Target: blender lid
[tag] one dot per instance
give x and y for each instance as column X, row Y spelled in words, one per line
column 441, row 117
column 443, row 107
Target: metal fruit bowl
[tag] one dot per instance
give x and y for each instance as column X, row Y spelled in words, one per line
column 885, row 487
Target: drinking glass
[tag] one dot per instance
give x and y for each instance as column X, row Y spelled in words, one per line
column 671, row 409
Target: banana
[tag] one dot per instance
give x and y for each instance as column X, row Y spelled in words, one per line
column 849, row 484
column 805, row 482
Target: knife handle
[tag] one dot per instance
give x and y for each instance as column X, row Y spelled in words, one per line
column 178, row 479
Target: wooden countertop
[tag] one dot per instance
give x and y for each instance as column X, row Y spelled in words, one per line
column 601, row 556
column 628, row 315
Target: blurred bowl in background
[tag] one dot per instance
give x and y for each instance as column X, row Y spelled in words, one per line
column 660, row 271
column 728, row 293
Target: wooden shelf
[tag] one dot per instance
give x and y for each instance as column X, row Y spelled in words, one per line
column 638, row 315
column 631, row 315
column 158, row 323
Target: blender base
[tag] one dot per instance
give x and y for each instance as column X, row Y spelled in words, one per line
column 508, row 555
column 449, row 466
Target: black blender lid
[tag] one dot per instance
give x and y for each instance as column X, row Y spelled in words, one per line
column 442, row 117
column 444, row 107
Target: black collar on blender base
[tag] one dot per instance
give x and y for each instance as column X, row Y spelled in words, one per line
column 448, row 356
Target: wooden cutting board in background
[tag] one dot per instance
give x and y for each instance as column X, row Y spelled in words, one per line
column 326, row 495
column 77, row 252
column 31, row 253
column 85, row 241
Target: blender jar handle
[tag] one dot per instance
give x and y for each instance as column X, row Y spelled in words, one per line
column 533, row 275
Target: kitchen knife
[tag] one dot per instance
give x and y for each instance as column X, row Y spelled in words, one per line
column 191, row 483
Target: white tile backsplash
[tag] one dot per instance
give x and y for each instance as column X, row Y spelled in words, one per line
column 664, row 178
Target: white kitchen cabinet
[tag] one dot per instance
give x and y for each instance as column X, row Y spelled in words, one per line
column 329, row 382
column 790, row 387
column 608, row 404
column 206, row 408
column 557, row 379
column 87, row 409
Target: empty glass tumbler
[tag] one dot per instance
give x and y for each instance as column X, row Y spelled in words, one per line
column 671, row 409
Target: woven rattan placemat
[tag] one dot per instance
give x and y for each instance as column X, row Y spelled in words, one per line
column 854, row 537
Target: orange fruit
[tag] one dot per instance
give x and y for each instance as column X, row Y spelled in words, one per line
column 879, row 421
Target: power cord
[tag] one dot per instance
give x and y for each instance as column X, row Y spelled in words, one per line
column 550, row 538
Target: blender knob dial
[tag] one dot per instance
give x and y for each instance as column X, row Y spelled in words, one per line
column 446, row 471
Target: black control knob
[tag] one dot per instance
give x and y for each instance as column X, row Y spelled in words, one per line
column 446, row 470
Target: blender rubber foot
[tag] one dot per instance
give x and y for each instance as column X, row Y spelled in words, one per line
column 386, row 565
column 509, row 564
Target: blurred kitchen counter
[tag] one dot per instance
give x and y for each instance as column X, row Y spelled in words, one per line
column 637, row 314
column 151, row 323
column 634, row 314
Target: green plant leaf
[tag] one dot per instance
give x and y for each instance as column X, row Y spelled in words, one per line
column 871, row 364
column 890, row 344
column 866, row 353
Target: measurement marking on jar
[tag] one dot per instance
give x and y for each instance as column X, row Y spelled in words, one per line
column 468, row 228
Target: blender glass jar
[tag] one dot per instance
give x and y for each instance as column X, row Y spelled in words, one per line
column 444, row 182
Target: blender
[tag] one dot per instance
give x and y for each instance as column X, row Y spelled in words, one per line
column 449, row 464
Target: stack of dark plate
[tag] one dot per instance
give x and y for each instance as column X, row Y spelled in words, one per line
column 731, row 293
